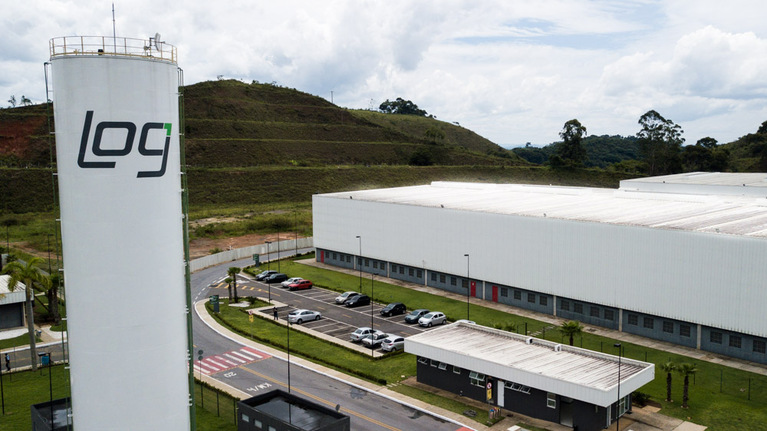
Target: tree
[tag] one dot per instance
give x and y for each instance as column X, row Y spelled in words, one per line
column 25, row 101
column 228, row 282
column 705, row 156
column 53, row 296
column 668, row 368
column 434, row 134
column 12, row 101
column 686, row 370
column 28, row 275
column 570, row 329
column 572, row 151
column 401, row 106
column 232, row 272
column 660, row 143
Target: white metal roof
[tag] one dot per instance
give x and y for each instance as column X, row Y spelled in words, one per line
column 8, row 297
column 569, row 371
column 707, row 211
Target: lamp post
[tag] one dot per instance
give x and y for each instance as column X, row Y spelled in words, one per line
column 359, row 261
column 278, row 251
column 371, row 315
column 268, row 285
column 618, row 408
column 468, row 285
column 288, row 328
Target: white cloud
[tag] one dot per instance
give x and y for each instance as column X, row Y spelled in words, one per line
column 512, row 71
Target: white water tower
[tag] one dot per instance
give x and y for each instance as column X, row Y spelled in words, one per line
column 116, row 111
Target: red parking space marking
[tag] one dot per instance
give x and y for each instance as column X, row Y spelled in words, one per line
column 226, row 361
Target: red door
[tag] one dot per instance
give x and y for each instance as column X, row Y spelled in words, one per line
column 322, row 256
column 474, row 289
column 495, row 293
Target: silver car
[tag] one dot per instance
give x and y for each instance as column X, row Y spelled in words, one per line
column 360, row 333
column 374, row 339
column 301, row 316
column 393, row 343
column 433, row 318
column 342, row 298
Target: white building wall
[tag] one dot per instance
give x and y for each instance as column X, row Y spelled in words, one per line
column 710, row 279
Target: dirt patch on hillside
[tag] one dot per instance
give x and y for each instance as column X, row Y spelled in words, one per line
column 197, row 248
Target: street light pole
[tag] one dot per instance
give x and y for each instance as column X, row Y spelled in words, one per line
column 468, row 285
column 278, row 251
column 618, row 407
column 359, row 261
column 269, row 285
column 371, row 315
column 287, row 325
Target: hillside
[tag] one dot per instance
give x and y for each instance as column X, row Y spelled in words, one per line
column 230, row 123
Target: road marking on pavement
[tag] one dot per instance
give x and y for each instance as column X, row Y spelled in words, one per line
column 234, row 357
column 322, row 400
column 226, row 360
column 249, row 358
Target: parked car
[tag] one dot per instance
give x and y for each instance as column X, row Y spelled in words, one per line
column 262, row 276
column 415, row 315
column 290, row 281
column 342, row 298
column 393, row 343
column 359, row 333
column 433, row 318
column 393, row 309
column 300, row 316
column 357, row 301
column 300, row 285
column 375, row 339
column 276, row 278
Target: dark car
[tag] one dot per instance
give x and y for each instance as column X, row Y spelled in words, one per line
column 358, row 300
column 276, row 278
column 393, row 309
column 262, row 276
column 300, row 285
column 415, row 315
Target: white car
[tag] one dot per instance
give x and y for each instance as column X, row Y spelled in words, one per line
column 374, row 339
column 393, row 343
column 360, row 333
column 433, row 318
column 342, row 298
column 290, row 281
column 300, row 316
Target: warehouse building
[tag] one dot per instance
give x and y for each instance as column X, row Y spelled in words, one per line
column 676, row 258
column 575, row 387
column 12, row 304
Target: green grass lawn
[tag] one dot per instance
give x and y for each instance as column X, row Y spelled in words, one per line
column 23, row 389
column 719, row 395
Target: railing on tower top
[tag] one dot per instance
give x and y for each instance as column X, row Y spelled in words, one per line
column 106, row 45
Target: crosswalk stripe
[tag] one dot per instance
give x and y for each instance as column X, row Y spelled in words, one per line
column 200, row 370
column 233, row 357
column 226, row 360
column 251, row 351
column 249, row 358
column 207, row 365
column 217, row 364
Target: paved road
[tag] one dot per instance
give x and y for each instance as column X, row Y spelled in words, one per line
column 252, row 370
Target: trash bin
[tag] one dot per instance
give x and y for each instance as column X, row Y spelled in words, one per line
column 45, row 360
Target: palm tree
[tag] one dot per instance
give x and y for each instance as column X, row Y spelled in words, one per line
column 668, row 368
column 570, row 329
column 228, row 281
column 232, row 272
column 686, row 370
column 27, row 275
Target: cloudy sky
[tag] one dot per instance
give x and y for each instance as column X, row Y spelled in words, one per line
column 513, row 71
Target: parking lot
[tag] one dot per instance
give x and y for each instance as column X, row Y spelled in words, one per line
column 338, row 321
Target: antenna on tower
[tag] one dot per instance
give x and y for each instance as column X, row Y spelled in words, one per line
column 157, row 42
column 114, row 28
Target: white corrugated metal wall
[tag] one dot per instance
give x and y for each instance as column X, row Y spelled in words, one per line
column 710, row 279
